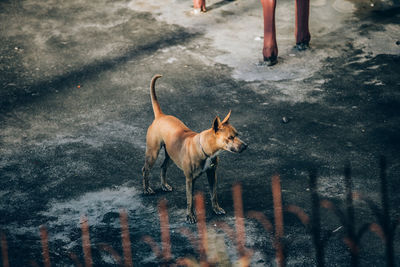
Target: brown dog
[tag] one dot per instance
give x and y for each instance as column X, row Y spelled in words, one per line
column 194, row 153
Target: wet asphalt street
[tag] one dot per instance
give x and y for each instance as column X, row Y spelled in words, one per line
column 75, row 107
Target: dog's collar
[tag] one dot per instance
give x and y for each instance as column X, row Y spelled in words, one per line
column 202, row 149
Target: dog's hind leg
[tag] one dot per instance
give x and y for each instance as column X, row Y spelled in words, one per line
column 152, row 151
column 167, row 161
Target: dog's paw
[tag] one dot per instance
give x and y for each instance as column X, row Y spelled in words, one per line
column 166, row 187
column 148, row 191
column 218, row 210
column 191, row 218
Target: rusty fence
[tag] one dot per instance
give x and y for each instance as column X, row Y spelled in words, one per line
column 384, row 227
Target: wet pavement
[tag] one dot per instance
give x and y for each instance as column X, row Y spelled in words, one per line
column 75, row 108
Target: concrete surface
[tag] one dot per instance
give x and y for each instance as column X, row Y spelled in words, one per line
column 75, row 107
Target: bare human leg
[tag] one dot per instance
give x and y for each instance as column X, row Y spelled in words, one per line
column 270, row 48
column 200, row 5
column 302, row 32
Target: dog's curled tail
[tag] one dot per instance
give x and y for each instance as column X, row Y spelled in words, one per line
column 154, row 102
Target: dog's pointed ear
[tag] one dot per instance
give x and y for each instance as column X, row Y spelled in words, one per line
column 226, row 120
column 216, row 124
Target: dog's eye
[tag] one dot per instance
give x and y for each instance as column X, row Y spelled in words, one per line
column 231, row 137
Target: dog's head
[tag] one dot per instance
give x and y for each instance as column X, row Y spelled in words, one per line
column 226, row 136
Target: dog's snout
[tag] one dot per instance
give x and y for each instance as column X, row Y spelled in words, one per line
column 243, row 147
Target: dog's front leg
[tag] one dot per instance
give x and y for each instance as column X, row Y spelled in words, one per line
column 212, row 182
column 190, row 216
